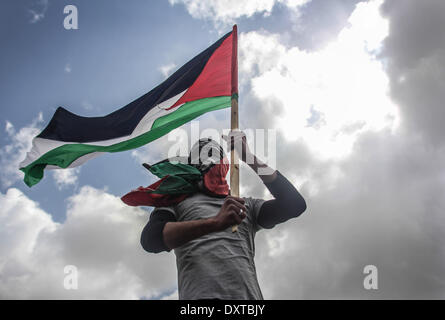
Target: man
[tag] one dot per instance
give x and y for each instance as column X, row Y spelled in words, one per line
column 213, row 262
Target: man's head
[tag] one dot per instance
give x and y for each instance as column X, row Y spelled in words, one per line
column 204, row 153
column 209, row 157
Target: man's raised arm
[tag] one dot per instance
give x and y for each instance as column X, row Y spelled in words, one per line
column 288, row 202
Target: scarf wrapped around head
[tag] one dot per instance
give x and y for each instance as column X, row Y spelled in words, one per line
column 204, row 170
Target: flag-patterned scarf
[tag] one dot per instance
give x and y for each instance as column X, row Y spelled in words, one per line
column 204, row 170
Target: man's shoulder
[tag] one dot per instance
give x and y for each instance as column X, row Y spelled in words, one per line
column 253, row 200
column 253, row 204
column 156, row 210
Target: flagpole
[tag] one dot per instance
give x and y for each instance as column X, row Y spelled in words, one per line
column 234, row 161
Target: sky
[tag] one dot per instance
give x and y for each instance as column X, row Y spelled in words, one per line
column 353, row 90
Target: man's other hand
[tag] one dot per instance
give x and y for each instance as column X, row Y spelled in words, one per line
column 236, row 139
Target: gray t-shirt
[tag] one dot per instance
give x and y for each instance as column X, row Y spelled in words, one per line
column 219, row 265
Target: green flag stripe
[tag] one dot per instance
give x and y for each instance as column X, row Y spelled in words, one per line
column 64, row 155
column 168, row 168
column 178, row 184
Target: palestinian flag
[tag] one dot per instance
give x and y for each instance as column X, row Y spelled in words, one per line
column 207, row 82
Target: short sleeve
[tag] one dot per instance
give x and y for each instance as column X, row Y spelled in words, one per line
column 254, row 211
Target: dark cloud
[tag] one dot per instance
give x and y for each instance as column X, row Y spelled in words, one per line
column 383, row 205
column 415, row 55
column 384, row 210
column 320, row 22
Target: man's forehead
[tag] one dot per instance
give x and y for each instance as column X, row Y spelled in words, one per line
column 205, row 150
column 206, row 143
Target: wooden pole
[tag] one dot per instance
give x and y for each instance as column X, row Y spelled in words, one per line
column 234, row 160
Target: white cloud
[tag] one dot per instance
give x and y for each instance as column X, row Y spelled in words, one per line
column 9, row 128
column 39, row 11
column 68, row 68
column 343, row 85
column 167, row 69
column 87, row 105
column 19, row 142
column 152, row 152
column 173, row 296
column 227, row 11
column 65, row 177
column 100, row 237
